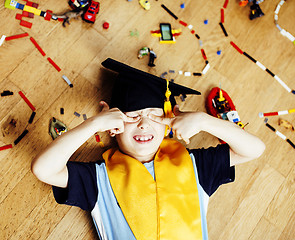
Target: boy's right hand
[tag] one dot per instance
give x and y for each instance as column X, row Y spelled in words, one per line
column 112, row 120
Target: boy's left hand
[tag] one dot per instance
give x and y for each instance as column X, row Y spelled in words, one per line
column 184, row 125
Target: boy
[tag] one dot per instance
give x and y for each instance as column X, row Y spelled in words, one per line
column 149, row 187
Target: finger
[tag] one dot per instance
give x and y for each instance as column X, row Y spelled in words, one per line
column 176, row 110
column 162, row 119
column 104, row 106
column 116, row 131
column 112, row 134
column 187, row 141
column 180, row 137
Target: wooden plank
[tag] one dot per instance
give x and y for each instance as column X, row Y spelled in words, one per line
column 247, row 216
column 282, row 207
column 289, row 231
column 265, row 230
column 74, row 225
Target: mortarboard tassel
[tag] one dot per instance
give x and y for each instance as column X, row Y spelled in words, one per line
column 167, row 106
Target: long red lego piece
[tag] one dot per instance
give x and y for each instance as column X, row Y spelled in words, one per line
column 16, row 36
column 37, row 46
column 54, row 64
column 27, row 101
column 6, row 147
column 204, row 54
column 183, row 23
column 236, row 47
column 225, row 4
column 222, row 15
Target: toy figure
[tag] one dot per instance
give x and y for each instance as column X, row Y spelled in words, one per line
column 255, row 11
column 255, row 8
column 145, row 51
column 67, row 16
column 57, row 128
column 152, row 58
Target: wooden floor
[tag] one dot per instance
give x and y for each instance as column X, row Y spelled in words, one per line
column 259, row 205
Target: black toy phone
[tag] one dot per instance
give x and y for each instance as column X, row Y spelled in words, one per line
column 166, row 32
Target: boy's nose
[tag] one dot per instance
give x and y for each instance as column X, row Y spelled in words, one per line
column 144, row 123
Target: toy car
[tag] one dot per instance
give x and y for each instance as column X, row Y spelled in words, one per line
column 90, row 14
column 220, row 105
column 145, row 4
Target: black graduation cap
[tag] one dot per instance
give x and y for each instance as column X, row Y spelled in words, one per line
column 135, row 89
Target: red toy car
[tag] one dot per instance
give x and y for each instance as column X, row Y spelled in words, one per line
column 90, row 14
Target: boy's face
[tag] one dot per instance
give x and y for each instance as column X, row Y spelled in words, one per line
column 142, row 139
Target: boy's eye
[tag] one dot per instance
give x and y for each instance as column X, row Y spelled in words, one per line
column 157, row 113
column 131, row 115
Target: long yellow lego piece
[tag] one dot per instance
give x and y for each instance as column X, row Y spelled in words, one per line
column 32, row 10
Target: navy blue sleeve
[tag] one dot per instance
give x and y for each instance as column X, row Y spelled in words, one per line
column 213, row 165
column 82, row 188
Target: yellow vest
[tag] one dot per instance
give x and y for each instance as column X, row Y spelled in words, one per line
column 166, row 208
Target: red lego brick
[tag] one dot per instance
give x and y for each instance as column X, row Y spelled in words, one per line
column 25, row 24
column 16, row 36
column 48, row 15
column 25, row 14
column 54, row 64
column 37, row 46
column 27, row 101
column 18, row 16
column 5, row 147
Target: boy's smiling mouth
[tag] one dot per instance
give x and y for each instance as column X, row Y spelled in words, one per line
column 143, row 138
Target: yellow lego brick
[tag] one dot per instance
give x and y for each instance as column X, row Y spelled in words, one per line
column 176, row 31
column 167, row 42
column 156, row 34
column 32, row 10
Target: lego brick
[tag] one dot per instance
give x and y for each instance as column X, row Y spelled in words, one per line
column 6, row 93
column 16, row 36
column 168, row 11
column 5, row 147
column 32, row 117
column 20, row 6
column 225, row 4
column 204, row 54
column 183, row 23
column 32, row 10
column 25, row 24
column 223, row 29
column 67, row 80
column 2, row 39
column 48, row 15
column 54, row 64
column 27, row 101
column 24, row 133
column 18, row 16
column 222, row 15
column 37, row 46
column 10, row 4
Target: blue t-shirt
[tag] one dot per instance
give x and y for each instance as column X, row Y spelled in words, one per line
column 89, row 188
